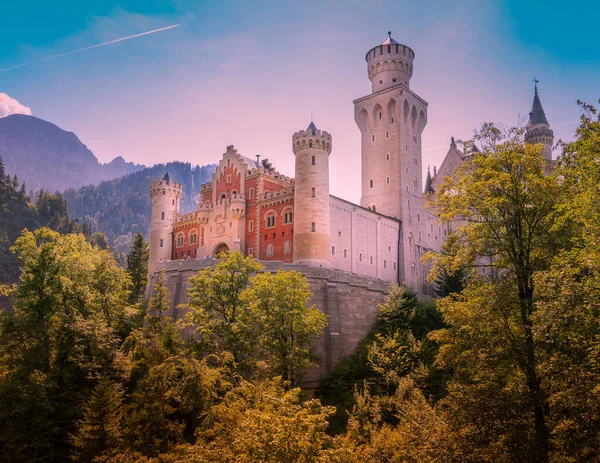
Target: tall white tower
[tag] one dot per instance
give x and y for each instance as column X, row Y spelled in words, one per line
column 391, row 120
column 312, row 244
column 166, row 196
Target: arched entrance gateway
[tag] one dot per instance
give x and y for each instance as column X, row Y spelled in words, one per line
column 219, row 249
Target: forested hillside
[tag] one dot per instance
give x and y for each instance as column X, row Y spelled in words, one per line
column 18, row 212
column 121, row 207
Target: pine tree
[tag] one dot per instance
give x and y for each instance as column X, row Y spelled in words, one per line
column 100, row 429
column 137, row 266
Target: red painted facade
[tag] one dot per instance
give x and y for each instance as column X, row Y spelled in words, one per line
column 229, row 182
column 278, row 235
column 187, row 249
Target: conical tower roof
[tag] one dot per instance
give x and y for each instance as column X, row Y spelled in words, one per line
column 537, row 115
column 428, row 182
column 312, row 128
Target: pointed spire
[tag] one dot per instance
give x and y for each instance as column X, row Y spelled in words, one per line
column 166, row 178
column 428, row 188
column 537, row 115
column 312, row 127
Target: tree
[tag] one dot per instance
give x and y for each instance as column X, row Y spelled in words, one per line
column 262, row 422
column 100, row 430
column 507, row 207
column 59, row 339
column 137, row 267
column 282, row 327
column 215, row 301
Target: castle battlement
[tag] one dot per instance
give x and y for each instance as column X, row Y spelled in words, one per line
column 311, row 138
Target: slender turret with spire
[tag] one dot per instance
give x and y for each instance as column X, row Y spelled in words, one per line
column 538, row 128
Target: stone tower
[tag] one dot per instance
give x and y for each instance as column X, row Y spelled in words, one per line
column 166, row 196
column 391, row 120
column 538, row 129
column 311, row 197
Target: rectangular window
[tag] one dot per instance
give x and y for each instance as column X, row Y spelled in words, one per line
column 414, row 139
column 313, row 161
column 313, row 193
column 312, row 227
column 373, row 138
column 251, row 225
column 252, row 192
column 250, row 251
column 162, row 243
column 162, row 216
column 387, row 134
column 287, row 247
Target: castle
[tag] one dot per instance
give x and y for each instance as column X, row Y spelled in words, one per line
column 349, row 253
column 250, row 207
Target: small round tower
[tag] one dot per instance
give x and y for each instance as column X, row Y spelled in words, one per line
column 166, row 196
column 389, row 64
column 312, row 244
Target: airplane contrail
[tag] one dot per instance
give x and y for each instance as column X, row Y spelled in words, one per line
column 90, row 47
column 565, row 123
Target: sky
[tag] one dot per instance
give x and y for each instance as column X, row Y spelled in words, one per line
column 249, row 73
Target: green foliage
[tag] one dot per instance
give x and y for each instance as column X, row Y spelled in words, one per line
column 61, row 336
column 279, row 323
column 137, row 267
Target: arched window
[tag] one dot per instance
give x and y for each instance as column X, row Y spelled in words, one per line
column 418, row 217
column 234, row 194
column 371, row 183
column 360, row 257
column 387, row 180
column 385, row 263
column 287, row 247
column 387, row 157
column 179, row 240
column 287, row 217
column 270, row 221
column 251, row 193
column 371, row 260
column 223, row 196
column 269, row 250
column 333, row 250
column 251, row 225
column 345, row 253
column 193, row 238
column 415, row 182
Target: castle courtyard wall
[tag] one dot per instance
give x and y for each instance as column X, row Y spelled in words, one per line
column 350, row 302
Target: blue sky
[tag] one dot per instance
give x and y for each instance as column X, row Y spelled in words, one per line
column 249, row 73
